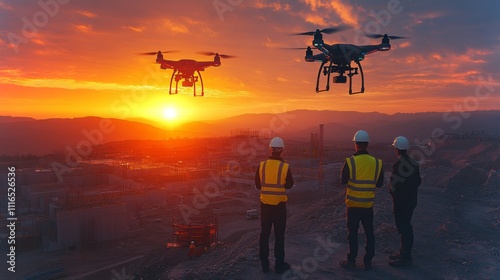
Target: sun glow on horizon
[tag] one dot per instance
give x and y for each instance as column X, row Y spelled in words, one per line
column 170, row 113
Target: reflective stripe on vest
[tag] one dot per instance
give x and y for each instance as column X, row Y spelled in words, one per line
column 364, row 171
column 272, row 181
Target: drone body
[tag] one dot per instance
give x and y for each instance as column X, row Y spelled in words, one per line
column 185, row 69
column 337, row 58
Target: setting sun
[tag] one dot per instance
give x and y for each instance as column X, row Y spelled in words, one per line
column 170, row 113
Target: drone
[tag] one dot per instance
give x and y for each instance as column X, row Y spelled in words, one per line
column 185, row 69
column 337, row 58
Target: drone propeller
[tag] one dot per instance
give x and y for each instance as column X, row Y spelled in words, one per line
column 330, row 30
column 376, row 36
column 219, row 54
column 295, row 48
column 155, row 53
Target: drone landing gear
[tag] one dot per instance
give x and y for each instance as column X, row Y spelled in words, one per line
column 202, row 88
column 189, row 81
column 340, row 79
column 350, row 74
column 176, row 82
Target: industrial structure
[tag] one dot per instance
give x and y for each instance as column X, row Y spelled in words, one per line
column 203, row 233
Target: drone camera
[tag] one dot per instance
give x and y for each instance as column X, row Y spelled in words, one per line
column 340, row 79
column 187, row 83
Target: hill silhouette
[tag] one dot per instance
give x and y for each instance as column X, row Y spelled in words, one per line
column 41, row 137
column 30, row 136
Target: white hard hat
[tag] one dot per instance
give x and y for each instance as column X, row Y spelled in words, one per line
column 401, row 143
column 192, row 242
column 361, row 136
column 276, row 142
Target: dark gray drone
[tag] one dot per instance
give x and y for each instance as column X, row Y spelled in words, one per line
column 337, row 58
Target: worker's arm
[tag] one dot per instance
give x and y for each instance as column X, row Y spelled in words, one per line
column 380, row 181
column 289, row 182
column 257, row 178
column 344, row 175
column 417, row 175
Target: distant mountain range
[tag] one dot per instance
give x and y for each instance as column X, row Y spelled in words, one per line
column 24, row 135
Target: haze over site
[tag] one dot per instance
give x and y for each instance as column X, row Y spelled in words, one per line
column 65, row 58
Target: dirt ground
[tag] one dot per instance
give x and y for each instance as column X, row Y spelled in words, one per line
column 456, row 225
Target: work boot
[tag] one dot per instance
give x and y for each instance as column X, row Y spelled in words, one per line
column 400, row 262
column 394, row 257
column 367, row 266
column 281, row 267
column 265, row 266
column 345, row 264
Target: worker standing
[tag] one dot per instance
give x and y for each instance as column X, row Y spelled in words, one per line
column 192, row 250
column 272, row 178
column 404, row 183
column 362, row 173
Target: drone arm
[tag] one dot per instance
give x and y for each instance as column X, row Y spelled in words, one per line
column 368, row 49
column 201, row 65
column 166, row 64
column 316, row 57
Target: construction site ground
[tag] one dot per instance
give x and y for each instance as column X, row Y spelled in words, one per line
column 456, row 225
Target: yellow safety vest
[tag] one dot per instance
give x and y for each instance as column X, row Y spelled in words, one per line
column 364, row 171
column 272, row 174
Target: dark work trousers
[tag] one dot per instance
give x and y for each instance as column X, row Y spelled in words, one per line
column 402, row 217
column 272, row 214
column 365, row 216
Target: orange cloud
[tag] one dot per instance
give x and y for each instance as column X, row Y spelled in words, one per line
column 71, row 84
column 404, row 45
column 175, row 27
column 86, row 13
column 276, row 6
column 38, row 39
column 83, row 27
column 200, row 25
column 420, row 18
column 315, row 19
column 436, row 56
column 314, row 4
column 5, row 6
column 270, row 44
column 134, row 28
column 345, row 12
column 11, row 72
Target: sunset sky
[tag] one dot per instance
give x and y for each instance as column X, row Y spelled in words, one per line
column 62, row 58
